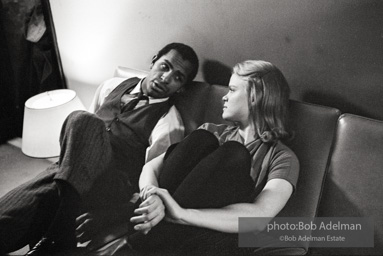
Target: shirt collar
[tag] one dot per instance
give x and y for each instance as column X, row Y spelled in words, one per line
column 152, row 100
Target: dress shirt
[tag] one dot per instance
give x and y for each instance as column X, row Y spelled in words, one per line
column 168, row 130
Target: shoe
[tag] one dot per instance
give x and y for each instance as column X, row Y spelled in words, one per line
column 44, row 247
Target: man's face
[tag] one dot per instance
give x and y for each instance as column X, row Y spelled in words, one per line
column 167, row 75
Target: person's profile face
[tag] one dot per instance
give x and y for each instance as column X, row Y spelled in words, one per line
column 167, row 75
column 235, row 102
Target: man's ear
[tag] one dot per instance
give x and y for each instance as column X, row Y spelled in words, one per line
column 154, row 59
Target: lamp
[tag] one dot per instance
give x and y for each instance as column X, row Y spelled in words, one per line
column 44, row 115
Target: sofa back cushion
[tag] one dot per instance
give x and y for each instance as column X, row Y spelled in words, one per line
column 314, row 129
column 353, row 186
column 192, row 103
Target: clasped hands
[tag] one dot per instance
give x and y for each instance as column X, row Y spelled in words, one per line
column 173, row 211
column 156, row 205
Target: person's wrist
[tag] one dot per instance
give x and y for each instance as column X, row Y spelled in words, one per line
column 184, row 217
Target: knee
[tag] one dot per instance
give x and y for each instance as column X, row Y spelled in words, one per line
column 81, row 118
column 236, row 152
column 79, row 121
column 204, row 137
column 79, row 115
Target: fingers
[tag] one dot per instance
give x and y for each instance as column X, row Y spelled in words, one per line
column 147, row 226
column 147, row 191
column 80, row 219
column 152, row 204
column 149, row 214
column 83, row 231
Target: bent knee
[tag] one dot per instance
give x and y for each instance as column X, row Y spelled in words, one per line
column 204, row 137
column 82, row 118
column 237, row 151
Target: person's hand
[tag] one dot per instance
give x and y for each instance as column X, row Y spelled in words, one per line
column 89, row 224
column 149, row 213
column 174, row 212
column 144, row 194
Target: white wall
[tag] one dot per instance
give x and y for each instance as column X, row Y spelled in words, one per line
column 329, row 50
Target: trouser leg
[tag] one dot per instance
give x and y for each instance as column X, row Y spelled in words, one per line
column 24, row 211
column 85, row 150
column 85, row 153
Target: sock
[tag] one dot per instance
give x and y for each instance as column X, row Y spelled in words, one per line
column 62, row 228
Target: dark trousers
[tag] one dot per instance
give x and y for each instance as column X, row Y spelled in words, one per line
column 26, row 211
column 200, row 174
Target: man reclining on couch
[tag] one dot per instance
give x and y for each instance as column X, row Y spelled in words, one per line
column 101, row 158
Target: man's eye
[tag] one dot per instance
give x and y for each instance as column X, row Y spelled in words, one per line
column 163, row 66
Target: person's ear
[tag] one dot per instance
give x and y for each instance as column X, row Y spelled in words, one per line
column 154, row 59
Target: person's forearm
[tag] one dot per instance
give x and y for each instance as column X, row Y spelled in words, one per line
column 223, row 219
column 147, row 178
column 149, row 174
column 268, row 204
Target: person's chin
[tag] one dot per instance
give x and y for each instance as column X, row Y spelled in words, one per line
column 225, row 117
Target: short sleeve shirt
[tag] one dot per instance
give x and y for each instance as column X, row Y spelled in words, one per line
column 279, row 161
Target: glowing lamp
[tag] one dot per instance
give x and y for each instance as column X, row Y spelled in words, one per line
column 44, row 115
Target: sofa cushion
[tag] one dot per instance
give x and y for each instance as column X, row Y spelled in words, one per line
column 314, row 129
column 353, row 186
column 192, row 103
column 129, row 72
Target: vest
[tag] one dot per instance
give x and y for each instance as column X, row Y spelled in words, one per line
column 129, row 131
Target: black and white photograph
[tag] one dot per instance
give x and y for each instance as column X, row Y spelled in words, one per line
column 191, row 127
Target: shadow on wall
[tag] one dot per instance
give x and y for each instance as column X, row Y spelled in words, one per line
column 336, row 101
column 215, row 72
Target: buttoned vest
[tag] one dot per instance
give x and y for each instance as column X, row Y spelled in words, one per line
column 129, row 131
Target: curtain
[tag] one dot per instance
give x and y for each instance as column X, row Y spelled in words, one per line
column 31, row 62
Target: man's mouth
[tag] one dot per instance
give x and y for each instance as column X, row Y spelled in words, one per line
column 157, row 87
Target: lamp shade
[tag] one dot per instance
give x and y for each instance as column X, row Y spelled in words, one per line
column 44, row 115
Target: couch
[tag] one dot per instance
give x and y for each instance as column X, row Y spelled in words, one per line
column 341, row 158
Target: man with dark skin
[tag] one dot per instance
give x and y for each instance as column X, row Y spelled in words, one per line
column 101, row 158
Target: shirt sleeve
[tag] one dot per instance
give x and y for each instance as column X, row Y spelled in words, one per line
column 284, row 165
column 168, row 130
column 103, row 91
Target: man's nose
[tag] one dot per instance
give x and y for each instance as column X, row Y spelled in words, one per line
column 166, row 76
